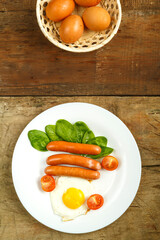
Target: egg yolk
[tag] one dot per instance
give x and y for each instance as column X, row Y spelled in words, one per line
column 73, row 198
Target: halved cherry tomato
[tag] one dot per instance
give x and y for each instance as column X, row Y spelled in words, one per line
column 109, row 163
column 95, row 201
column 47, row 183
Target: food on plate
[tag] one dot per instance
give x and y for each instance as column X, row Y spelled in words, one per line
column 87, row 3
column 73, row 132
column 95, row 201
column 96, row 18
column 63, row 130
column 71, row 190
column 78, row 148
column 100, row 141
column 72, row 172
column 73, row 198
column 87, row 136
column 104, row 152
column 47, row 183
column 109, row 163
column 69, row 198
column 51, row 133
column 71, row 29
column 38, row 140
column 80, row 128
column 57, row 10
column 73, row 160
column 68, row 131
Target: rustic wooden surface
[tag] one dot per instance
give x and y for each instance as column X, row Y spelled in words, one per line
column 128, row 65
column 139, row 222
column 123, row 77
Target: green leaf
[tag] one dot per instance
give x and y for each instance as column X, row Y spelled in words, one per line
column 66, row 131
column 81, row 128
column 51, row 133
column 38, row 140
column 100, row 141
column 88, row 136
column 104, row 152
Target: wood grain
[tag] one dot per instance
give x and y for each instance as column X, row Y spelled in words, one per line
column 128, row 65
column 18, row 5
column 140, row 221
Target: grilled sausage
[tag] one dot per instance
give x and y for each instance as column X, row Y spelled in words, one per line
column 71, row 147
column 73, row 160
column 72, row 172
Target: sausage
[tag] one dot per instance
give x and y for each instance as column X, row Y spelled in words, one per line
column 71, row 147
column 73, row 160
column 72, row 172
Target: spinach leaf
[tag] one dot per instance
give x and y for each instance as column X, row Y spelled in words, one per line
column 81, row 128
column 38, row 140
column 100, row 141
column 66, row 131
column 51, row 133
column 88, row 136
column 105, row 151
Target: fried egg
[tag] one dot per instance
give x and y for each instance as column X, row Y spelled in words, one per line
column 69, row 198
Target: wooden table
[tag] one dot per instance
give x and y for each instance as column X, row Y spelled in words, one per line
column 123, row 77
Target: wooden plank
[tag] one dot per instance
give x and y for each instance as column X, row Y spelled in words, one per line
column 140, row 4
column 140, row 221
column 18, row 5
column 34, row 63
column 128, row 68
column 128, row 65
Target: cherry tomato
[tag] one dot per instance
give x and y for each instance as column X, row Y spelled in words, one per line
column 47, row 183
column 95, row 201
column 109, row 163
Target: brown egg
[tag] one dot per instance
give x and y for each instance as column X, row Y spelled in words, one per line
column 87, row 3
column 57, row 10
column 96, row 18
column 71, row 29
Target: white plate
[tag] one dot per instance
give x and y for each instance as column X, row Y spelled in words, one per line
column 118, row 187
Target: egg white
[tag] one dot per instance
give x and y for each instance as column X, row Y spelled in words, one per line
column 62, row 184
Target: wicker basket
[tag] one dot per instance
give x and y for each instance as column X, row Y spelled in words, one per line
column 90, row 40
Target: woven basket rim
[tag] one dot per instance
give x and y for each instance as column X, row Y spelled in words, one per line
column 77, row 50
